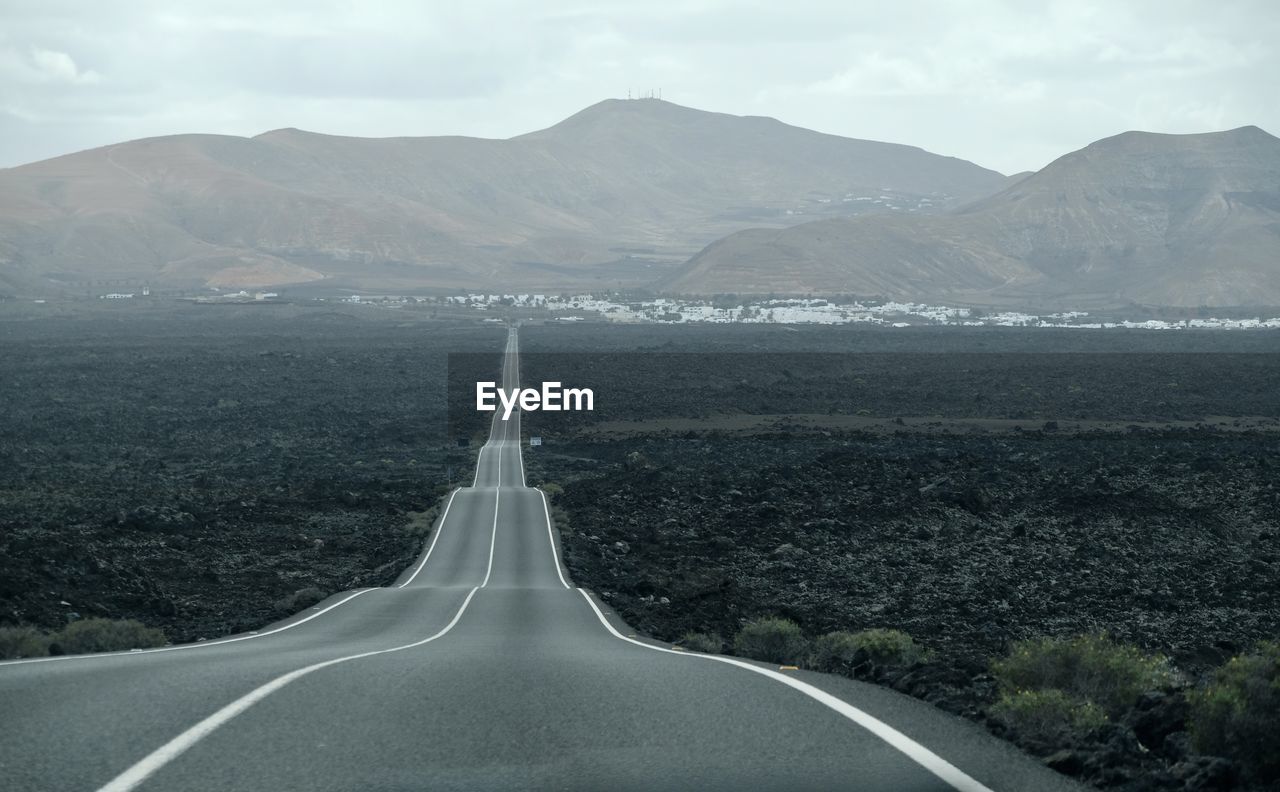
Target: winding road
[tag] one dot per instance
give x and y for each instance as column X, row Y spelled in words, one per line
column 482, row 667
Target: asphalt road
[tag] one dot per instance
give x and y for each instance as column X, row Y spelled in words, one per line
column 481, row 668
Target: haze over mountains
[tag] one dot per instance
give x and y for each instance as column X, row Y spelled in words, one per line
column 1181, row 220
column 648, row 194
column 615, row 195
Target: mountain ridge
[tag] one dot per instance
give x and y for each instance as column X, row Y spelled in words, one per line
column 549, row 209
column 1135, row 217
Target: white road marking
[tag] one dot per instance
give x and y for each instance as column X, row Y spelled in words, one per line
column 152, row 762
column 551, row 536
column 434, row 539
column 555, row 556
column 520, row 448
column 291, row 625
column 182, row 647
column 480, row 458
column 493, row 538
column 135, row 775
column 913, row 750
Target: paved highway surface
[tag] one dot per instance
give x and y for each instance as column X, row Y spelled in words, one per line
column 481, row 668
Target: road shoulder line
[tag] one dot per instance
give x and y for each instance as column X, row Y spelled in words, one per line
column 434, row 539
column 200, row 645
column 935, row 764
column 143, row 769
column 555, row 555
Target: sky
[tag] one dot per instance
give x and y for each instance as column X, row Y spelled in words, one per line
column 1008, row 85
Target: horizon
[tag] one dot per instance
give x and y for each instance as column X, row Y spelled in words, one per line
column 877, row 397
column 606, row 100
column 1011, row 94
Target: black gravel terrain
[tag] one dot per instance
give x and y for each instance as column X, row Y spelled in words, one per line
column 209, row 470
column 1049, row 485
column 214, row 469
column 1167, row 539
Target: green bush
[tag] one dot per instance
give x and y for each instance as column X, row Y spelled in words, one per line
column 552, row 489
column 300, row 600
column 836, row 651
column 1237, row 714
column 771, row 639
column 16, row 642
column 1090, row 668
column 702, row 642
column 105, row 635
column 1047, row 715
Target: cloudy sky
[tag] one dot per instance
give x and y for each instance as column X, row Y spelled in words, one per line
column 1009, row 85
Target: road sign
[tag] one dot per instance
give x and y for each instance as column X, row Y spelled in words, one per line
column 535, row 441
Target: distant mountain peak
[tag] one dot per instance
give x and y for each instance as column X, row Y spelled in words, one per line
column 1134, row 137
column 1145, row 217
column 626, row 187
column 611, row 112
column 281, row 132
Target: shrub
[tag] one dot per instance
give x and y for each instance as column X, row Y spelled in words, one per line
column 771, row 639
column 16, row 642
column 420, row 522
column 834, row 651
column 889, row 647
column 552, row 489
column 1046, row 715
column 1090, row 668
column 300, row 600
column 560, row 518
column 1237, row 714
column 105, row 635
column 710, row 643
column 837, row 651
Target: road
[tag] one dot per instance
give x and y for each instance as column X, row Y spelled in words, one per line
column 482, row 667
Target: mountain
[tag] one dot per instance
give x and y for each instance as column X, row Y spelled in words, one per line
column 1180, row 220
column 617, row 194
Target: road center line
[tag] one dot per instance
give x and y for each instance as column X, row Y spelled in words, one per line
column 944, row 770
column 291, row 625
column 152, row 762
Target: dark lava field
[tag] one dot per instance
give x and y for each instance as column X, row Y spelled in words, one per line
column 196, row 470
column 1050, row 484
column 208, row 470
column 970, row 488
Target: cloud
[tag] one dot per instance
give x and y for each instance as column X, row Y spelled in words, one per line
column 879, row 75
column 39, row 66
column 59, row 67
column 1006, row 83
